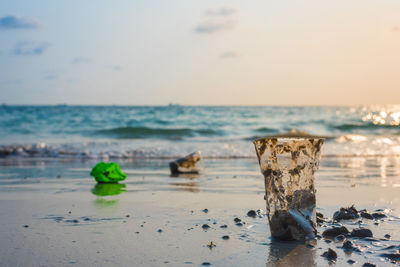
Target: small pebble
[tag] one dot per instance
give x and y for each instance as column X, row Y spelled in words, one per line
column 159, row 230
column 387, row 236
column 225, row 237
column 330, row 255
column 127, row 215
column 351, row 262
column 206, row 263
column 205, row 226
column 367, row 264
column 224, row 226
column 237, row 220
column 335, row 231
column 361, row 232
column 252, row 213
column 26, row 226
column 205, row 210
column 239, row 224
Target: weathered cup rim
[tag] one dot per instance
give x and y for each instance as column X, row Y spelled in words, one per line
column 294, row 138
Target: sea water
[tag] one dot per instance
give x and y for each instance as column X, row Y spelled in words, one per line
column 172, row 131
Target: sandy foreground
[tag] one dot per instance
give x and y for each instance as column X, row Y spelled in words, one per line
column 53, row 214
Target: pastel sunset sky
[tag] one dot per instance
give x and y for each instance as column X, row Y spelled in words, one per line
column 203, row 52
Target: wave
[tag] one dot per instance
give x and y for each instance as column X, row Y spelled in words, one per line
column 363, row 126
column 145, row 132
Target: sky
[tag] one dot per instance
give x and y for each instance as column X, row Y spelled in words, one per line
column 200, row 52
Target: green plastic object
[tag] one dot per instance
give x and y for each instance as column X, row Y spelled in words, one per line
column 107, row 173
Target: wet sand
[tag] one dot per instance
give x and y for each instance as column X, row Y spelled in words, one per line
column 53, row 214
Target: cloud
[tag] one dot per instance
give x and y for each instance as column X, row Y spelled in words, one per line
column 15, row 22
column 80, row 60
column 213, row 26
column 220, row 19
column 229, row 54
column 31, row 48
column 223, row 11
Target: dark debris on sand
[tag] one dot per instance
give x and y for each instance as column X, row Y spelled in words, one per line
column 330, row 255
column 335, row 231
column 361, row 232
column 349, row 213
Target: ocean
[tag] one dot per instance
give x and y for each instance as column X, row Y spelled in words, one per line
column 64, row 131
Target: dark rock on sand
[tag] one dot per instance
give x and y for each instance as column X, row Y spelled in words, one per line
column 392, row 256
column 224, row 226
column 351, row 262
column 340, row 237
column 225, row 237
column 367, row 264
column 361, row 232
column 387, row 236
column 206, row 264
column 26, row 226
column 237, row 220
column 205, row 210
column 378, row 215
column 348, row 245
column 239, row 224
column 330, row 255
column 205, row 226
column 252, row 213
column 160, row 230
column 335, row 231
column 186, row 164
column 346, row 214
column 366, row 215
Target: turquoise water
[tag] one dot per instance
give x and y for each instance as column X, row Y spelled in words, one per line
column 167, row 131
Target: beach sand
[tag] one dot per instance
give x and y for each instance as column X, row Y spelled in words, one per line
column 53, row 214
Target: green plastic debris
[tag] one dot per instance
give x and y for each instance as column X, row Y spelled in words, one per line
column 107, row 173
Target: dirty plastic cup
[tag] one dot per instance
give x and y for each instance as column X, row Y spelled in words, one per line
column 288, row 166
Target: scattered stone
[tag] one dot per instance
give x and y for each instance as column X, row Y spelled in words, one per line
column 75, row 221
column 378, row 215
column 239, row 224
column 361, row 232
column 328, row 241
column 26, row 226
column 159, row 230
column 392, row 256
column 206, row 263
column 367, row 264
column 205, row 226
column 225, row 237
column 340, row 237
column 387, row 236
column 346, row 214
column 366, row 215
column 137, row 232
column 69, row 212
column 351, row 262
column 348, row 245
column 205, row 210
column 237, row 220
column 186, row 164
column 252, row 213
column 335, row 231
column 224, row 226
column 330, row 255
